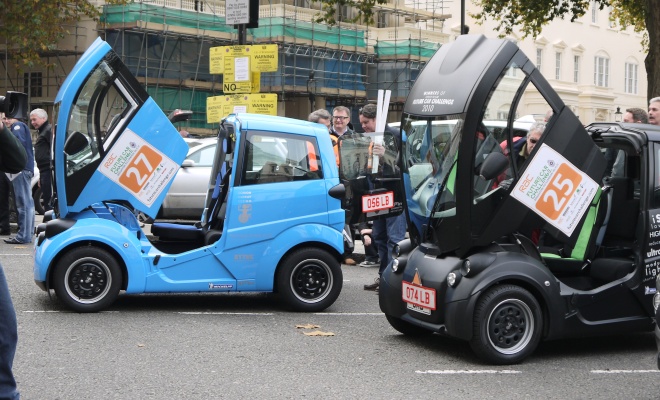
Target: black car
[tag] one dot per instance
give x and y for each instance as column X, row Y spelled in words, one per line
column 509, row 246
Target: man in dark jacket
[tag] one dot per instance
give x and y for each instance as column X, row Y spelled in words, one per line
column 39, row 121
column 12, row 159
column 22, row 183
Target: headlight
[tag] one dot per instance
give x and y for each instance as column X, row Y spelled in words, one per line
column 452, row 279
column 656, row 301
column 465, row 268
column 396, row 250
column 395, row 265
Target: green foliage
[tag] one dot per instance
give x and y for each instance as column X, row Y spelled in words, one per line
column 330, row 15
column 529, row 16
column 32, row 27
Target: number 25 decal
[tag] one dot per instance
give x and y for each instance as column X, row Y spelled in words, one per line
column 559, row 191
column 140, row 169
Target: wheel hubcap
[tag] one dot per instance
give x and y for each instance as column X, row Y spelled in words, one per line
column 311, row 281
column 510, row 326
column 88, row 280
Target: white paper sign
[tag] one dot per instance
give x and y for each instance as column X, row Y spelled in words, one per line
column 138, row 167
column 555, row 189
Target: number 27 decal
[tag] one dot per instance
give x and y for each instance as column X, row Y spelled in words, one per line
column 140, row 169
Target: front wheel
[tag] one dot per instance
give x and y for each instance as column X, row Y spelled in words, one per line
column 507, row 324
column 87, row 279
column 309, row 279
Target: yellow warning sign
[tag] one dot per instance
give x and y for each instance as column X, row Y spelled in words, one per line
column 262, row 58
column 218, row 107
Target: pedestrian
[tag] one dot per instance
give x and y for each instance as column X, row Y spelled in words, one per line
column 654, row 111
column 322, row 116
column 636, row 115
column 387, row 232
column 12, row 159
column 42, row 154
column 5, row 188
column 22, row 184
column 341, row 118
column 370, row 250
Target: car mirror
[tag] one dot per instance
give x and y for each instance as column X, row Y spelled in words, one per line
column 75, row 143
column 493, row 165
column 187, row 163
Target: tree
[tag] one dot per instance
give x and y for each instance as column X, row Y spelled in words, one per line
column 365, row 10
column 529, row 17
column 32, row 27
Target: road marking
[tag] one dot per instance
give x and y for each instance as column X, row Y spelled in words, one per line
column 220, row 313
column 468, row 371
column 351, row 313
column 9, row 254
column 625, row 371
column 60, row 311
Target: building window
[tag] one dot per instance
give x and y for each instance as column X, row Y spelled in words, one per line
column 32, row 84
column 631, row 78
column 576, row 69
column 539, row 58
column 594, row 12
column 558, row 65
column 601, row 71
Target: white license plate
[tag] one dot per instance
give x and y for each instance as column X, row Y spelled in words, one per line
column 419, row 296
column 418, row 309
column 377, row 202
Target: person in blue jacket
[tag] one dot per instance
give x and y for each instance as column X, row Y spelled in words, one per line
column 22, row 183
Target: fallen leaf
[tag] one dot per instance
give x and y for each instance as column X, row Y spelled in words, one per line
column 307, row 326
column 318, row 333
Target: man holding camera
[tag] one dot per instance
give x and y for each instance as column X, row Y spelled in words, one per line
column 12, row 159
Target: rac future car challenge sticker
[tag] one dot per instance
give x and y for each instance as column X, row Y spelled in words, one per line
column 555, row 189
column 138, row 168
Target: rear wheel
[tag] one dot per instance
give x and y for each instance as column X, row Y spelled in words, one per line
column 309, row 279
column 87, row 279
column 405, row 327
column 507, row 325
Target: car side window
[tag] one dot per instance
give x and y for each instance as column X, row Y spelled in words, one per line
column 203, row 157
column 271, row 158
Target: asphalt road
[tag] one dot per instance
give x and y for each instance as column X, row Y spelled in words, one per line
column 246, row 346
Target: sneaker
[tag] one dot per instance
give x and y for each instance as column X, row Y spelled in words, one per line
column 349, row 261
column 369, row 264
column 374, row 286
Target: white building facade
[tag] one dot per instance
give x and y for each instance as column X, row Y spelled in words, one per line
column 595, row 66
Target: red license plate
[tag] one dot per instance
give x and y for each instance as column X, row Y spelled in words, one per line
column 376, row 202
column 418, row 295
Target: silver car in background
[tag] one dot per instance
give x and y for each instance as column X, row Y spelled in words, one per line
column 185, row 199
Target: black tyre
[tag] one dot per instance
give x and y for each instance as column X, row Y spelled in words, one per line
column 507, row 322
column 38, row 201
column 405, row 327
column 87, row 279
column 309, row 279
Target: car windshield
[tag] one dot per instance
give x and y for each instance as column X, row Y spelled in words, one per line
column 430, row 154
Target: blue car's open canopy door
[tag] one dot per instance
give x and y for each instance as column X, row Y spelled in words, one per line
column 468, row 185
column 112, row 140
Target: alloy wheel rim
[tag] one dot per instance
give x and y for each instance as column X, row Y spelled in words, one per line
column 510, row 326
column 88, row 280
column 311, row 281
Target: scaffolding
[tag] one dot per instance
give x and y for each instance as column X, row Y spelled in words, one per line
column 166, row 44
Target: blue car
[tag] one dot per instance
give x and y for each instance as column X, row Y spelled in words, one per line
column 272, row 220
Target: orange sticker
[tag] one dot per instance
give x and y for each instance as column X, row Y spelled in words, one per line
column 556, row 195
column 140, row 168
